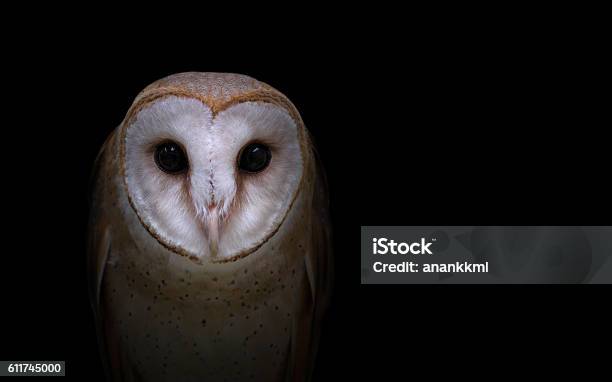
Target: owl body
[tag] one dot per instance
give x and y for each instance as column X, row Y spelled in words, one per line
column 168, row 310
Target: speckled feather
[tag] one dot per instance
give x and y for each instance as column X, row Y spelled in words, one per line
column 161, row 316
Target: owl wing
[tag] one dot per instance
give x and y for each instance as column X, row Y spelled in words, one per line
column 315, row 286
column 98, row 244
column 99, row 249
column 98, row 252
column 98, row 241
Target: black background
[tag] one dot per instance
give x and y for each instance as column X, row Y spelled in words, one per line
column 414, row 129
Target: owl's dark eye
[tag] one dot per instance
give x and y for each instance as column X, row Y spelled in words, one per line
column 171, row 158
column 254, row 157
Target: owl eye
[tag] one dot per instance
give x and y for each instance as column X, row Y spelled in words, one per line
column 171, row 158
column 254, row 157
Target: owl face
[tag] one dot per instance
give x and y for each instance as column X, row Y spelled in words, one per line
column 213, row 186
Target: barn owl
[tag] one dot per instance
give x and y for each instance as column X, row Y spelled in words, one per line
column 209, row 244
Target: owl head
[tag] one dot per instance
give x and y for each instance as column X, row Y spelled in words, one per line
column 212, row 163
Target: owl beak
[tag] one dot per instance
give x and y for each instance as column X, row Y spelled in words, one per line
column 212, row 224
